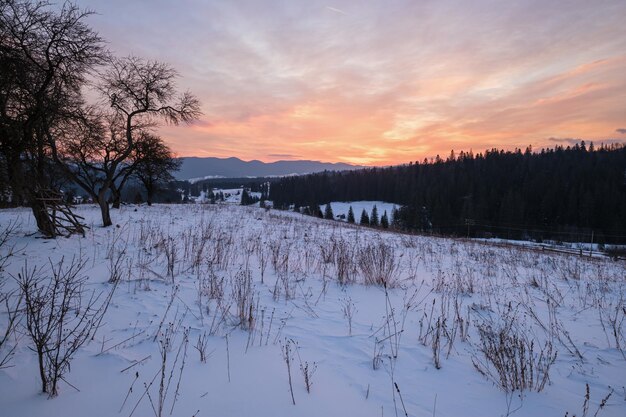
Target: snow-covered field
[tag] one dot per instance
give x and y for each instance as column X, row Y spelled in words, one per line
column 249, row 288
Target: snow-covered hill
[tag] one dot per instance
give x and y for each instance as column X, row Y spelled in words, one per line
column 249, row 288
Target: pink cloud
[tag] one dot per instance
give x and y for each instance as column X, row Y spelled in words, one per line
column 382, row 84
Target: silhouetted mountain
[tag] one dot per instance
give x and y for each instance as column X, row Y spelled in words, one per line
column 198, row 168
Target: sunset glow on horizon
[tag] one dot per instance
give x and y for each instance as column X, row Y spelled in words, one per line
column 382, row 82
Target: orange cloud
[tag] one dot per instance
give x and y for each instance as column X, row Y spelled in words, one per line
column 383, row 85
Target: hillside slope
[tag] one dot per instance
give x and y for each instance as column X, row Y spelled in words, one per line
column 249, row 287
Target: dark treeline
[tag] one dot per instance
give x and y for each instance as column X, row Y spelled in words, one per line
column 561, row 193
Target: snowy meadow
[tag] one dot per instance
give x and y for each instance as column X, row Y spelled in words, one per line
column 225, row 310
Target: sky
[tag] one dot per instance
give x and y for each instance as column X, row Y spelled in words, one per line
column 381, row 82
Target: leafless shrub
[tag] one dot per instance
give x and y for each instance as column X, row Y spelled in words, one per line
column 211, row 286
column 344, row 262
column 150, row 234
column 287, row 353
column 391, row 325
column 12, row 303
column 378, row 265
column 308, row 370
column 246, row 250
column 187, row 238
column 201, row 346
column 390, row 332
column 534, row 282
column 510, row 359
column 348, row 309
column 279, row 257
column 166, row 375
column 116, row 266
column 440, row 281
column 194, row 242
column 173, row 296
column 219, row 254
column 326, row 253
column 244, row 297
column 463, row 323
column 377, row 357
column 612, row 322
column 167, row 371
column 587, row 401
column 170, row 249
column 281, row 326
column 436, row 341
column 554, row 328
column 6, row 250
column 285, row 284
column 114, row 238
column 269, row 329
column 219, row 311
column 198, row 253
column 570, row 268
column 252, row 323
column 60, row 316
column 433, row 328
column 217, row 306
column 262, row 256
column 11, row 300
column 461, row 281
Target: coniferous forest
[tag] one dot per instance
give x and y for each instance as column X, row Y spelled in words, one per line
column 571, row 194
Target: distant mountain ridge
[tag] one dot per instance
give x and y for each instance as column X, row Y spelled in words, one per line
column 198, row 168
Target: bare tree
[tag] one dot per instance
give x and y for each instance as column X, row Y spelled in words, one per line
column 45, row 56
column 60, row 316
column 154, row 163
column 124, row 174
column 151, row 162
column 140, row 94
column 93, row 153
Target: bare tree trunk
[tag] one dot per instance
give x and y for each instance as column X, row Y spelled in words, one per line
column 14, row 177
column 44, row 221
column 104, row 208
column 148, row 184
column 42, row 372
column 42, row 217
column 117, row 197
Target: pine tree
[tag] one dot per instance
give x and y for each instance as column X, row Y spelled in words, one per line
column 350, row 215
column 396, row 218
column 365, row 219
column 384, row 221
column 315, row 211
column 328, row 212
column 374, row 217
